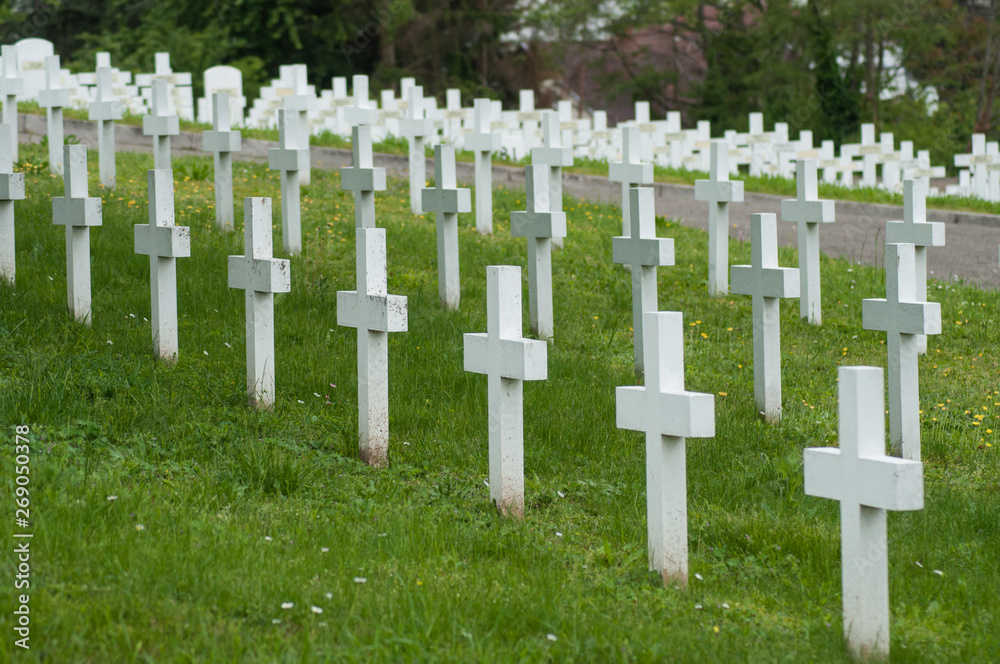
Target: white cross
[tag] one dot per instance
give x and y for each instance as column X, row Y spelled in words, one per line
column 866, row 482
column 870, row 151
column 759, row 143
column 105, row 110
column 11, row 86
column 630, row 172
column 447, row 200
column 301, row 102
column 161, row 125
column 361, row 112
column 163, row 242
column 289, row 158
column 53, row 97
column 416, row 128
column 77, row 212
column 667, row 414
column 552, row 156
column 767, row 283
column 808, row 212
column 261, row 276
column 454, row 114
column 644, row 252
column 719, row 192
column 529, row 118
column 374, row 313
column 483, row 142
column 222, row 141
column 364, row 179
column 901, row 316
column 507, row 359
column 978, row 162
column 11, row 189
column 916, row 230
column 539, row 224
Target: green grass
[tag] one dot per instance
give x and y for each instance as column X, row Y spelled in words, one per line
column 766, row 184
column 243, row 510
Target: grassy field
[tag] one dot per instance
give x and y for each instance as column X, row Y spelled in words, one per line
column 765, row 184
column 173, row 524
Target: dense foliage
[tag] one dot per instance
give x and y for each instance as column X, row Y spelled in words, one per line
column 819, row 65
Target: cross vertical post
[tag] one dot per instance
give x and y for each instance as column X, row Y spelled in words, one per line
column 53, row 98
column 447, row 200
column 483, row 142
column 667, row 414
column 78, row 213
column 105, row 110
column 374, row 313
column 507, row 359
column 916, row 230
column 644, row 252
column 808, row 212
column 222, row 142
column 260, row 276
column 901, row 316
column 163, row 242
column 719, row 191
column 539, row 225
column 11, row 189
column 767, row 283
column 866, row 482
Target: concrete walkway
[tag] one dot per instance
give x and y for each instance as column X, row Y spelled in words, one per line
column 858, row 233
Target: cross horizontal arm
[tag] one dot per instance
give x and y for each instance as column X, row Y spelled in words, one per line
column 376, row 313
column 681, row 414
column 773, row 281
column 267, row 275
column 642, row 251
column 719, row 191
column 163, row 241
column 807, row 211
column 518, row 359
column 446, row 200
column 901, row 317
column 887, row 483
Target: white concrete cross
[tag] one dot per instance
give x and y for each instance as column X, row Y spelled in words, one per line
column 374, row 313
column 53, row 98
column 364, row 179
column 507, row 359
column 416, row 128
column 539, row 224
column 901, row 316
column 164, row 243
column 767, row 283
column 447, row 200
column 453, row 116
column 483, row 142
column 870, row 151
column 978, row 162
column 222, row 141
column 77, row 212
column 261, row 276
column 361, row 112
column 105, row 110
column 808, row 212
column 644, row 252
column 759, row 142
column 161, row 125
column 552, row 156
column 890, row 162
column 719, row 191
column 302, row 102
column 630, row 172
column 11, row 86
column 866, row 482
column 667, row 414
column 11, row 189
column 916, row 230
column 289, row 158
column 529, row 119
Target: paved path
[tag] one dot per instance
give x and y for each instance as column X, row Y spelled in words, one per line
column 858, row 233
